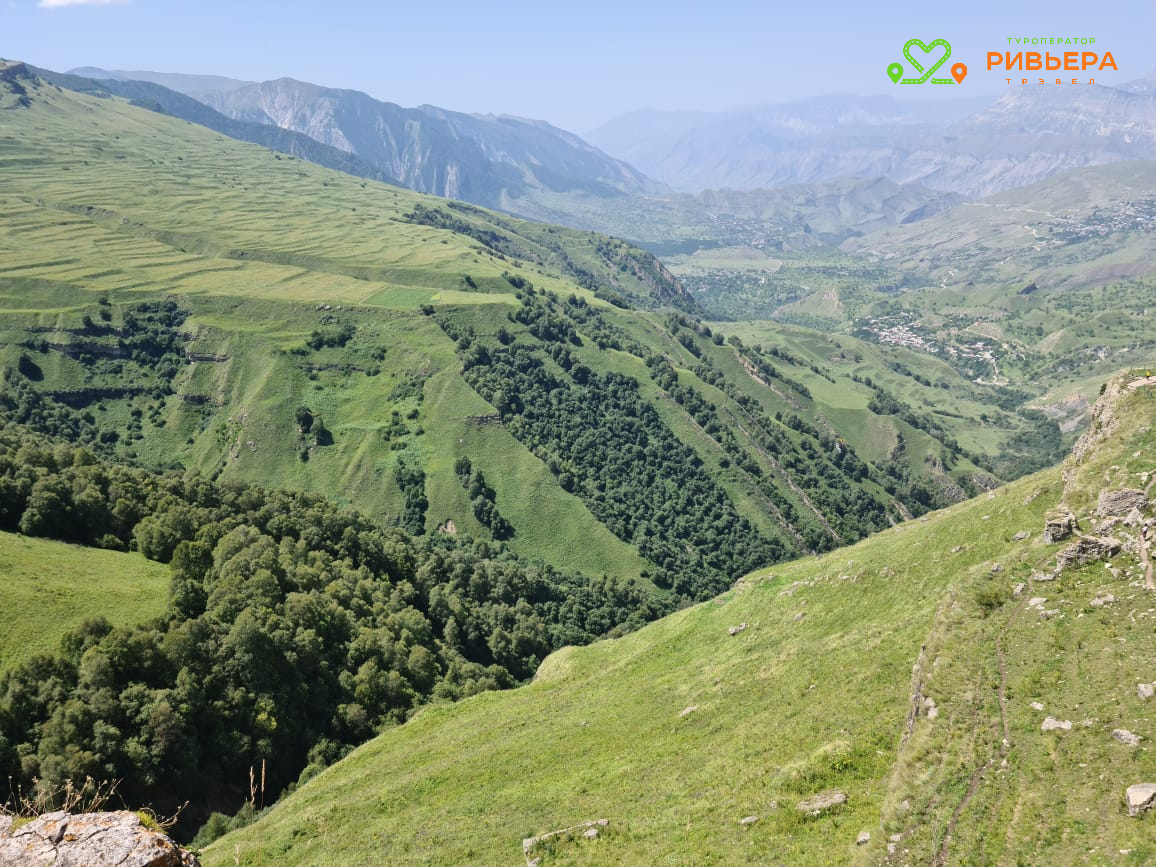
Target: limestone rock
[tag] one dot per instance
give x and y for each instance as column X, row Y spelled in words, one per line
column 529, row 843
column 1133, row 519
column 1102, row 599
column 687, row 711
column 863, row 839
column 816, row 804
column 62, row 839
column 1020, row 536
column 735, row 630
column 1117, row 504
column 1019, row 589
column 1037, row 705
column 1145, row 690
column 1051, row 724
column 1140, row 797
column 1126, row 737
column 590, row 833
column 748, row 820
column 1060, row 527
column 996, row 568
column 1088, row 549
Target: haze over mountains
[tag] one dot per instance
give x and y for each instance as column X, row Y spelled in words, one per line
column 954, row 146
column 621, row 181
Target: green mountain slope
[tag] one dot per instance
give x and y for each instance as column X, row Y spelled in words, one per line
column 1030, row 297
column 50, row 588
column 182, row 300
column 912, row 673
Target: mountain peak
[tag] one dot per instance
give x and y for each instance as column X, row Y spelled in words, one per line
column 13, row 69
column 14, row 76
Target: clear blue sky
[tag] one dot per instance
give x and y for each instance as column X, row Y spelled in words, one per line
column 573, row 64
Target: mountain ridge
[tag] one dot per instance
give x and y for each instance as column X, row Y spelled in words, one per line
column 1028, row 133
column 478, row 158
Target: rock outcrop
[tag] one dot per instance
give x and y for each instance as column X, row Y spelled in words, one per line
column 1117, row 504
column 66, row 839
column 1140, row 798
column 1126, row 737
column 1060, row 527
column 821, row 802
column 1088, row 549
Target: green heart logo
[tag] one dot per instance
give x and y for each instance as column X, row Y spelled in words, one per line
column 927, row 51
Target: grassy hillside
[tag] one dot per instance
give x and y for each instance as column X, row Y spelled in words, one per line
column 1031, row 298
column 900, row 672
column 178, row 299
column 52, row 587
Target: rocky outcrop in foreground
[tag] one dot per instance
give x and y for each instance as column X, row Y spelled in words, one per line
column 67, row 840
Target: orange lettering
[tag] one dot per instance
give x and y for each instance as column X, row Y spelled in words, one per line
column 1089, row 58
column 994, row 58
column 1034, row 60
column 1048, row 64
column 1070, row 60
column 1108, row 61
column 1018, row 60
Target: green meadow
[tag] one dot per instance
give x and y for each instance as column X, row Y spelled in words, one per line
column 52, row 587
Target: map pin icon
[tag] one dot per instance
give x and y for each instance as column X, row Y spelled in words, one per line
column 959, row 72
column 895, row 71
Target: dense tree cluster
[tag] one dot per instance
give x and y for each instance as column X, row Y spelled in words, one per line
column 294, row 630
column 483, row 500
column 411, row 481
column 825, row 471
column 337, row 337
column 611, row 448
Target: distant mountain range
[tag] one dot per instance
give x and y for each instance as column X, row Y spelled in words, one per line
column 491, row 160
column 966, row 146
column 190, row 85
column 970, row 147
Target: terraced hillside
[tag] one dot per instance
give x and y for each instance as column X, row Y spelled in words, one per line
column 178, row 299
column 957, row 689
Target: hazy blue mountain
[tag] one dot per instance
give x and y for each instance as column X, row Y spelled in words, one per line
column 1145, row 85
column 190, row 85
column 970, row 147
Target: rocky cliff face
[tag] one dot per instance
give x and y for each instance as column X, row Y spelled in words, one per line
column 64, row 839
column 489, row 160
